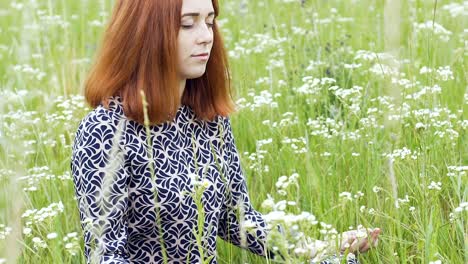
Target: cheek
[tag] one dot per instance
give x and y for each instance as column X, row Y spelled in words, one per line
column 183, row 47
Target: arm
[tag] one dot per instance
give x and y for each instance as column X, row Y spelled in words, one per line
column 101, row 184
column 237, row 208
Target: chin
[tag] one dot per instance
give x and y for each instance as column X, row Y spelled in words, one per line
column 195, row 75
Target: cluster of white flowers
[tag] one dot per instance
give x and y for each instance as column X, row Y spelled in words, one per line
column 51, row 20
column 400, row 201
column 30, row 72
column 457, row 9
column 288, row 120
column 9, row 96
column 425, row 70
column 275, row 64
column 52, row 236
column 299, row 145
column 352, row 66
column 299, row 31
column 461, row 208
column 284, row 182
column 265, row 98
column 435, row 186
column 444, row 73
column 314, row 65
column 349, row 196
column 454, row 171
column 288, row 218
column 385, row 70
column 351, row 97
column 278, row 208
column 463, row 123
column 34, row 177
column 4, row 231
column 351, row 135
column 366, row 55
column 377, row 189
column 72, row 245
column 441, row 32
column 313, row 86
column 96, row 23
column 435, row 262
column 34, row 216
column 438, row 118
column 27, row 231
column 426, row 90
column 38, row 243
column 255, row 44
column 325, row 127
column 199, row 183
column 6, row 173
column 256, row 160
column 263, row 80
column 370, row 121
column 402, row 154
column 67, row 109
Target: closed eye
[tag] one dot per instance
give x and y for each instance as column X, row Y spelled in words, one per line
column 210, row 25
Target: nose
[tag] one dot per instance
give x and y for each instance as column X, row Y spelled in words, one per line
column 205, row 34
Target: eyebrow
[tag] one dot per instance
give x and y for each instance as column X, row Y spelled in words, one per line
column 197, row 14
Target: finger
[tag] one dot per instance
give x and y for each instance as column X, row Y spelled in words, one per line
column 364, row 247
column 363, row 242
column 375, row 237
column 354, row 246
column 348, row 242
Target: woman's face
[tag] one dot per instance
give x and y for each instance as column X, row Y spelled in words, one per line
column 195, row 37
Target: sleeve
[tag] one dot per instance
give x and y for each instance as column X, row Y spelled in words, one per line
column 239, row 223
column 101, row 188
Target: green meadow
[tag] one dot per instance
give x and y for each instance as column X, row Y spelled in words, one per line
column 354, row 111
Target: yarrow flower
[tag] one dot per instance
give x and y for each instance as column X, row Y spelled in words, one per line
column 438, row 29
column 462, row 207
column 4, row 231
column 284, row 182
column 35, row 216
column 444, row 73
column 38, row 243
column 435, row 186
column 52, row 235
column 72, row 245
column 457, row 171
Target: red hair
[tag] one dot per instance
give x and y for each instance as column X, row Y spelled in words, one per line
column 139, row 52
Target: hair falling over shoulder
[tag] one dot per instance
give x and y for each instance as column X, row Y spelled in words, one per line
column 139, row 52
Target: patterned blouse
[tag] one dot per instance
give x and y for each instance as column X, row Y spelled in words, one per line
column 114, row 188
column 135, row 211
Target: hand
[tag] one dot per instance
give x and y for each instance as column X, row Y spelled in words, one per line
column 360, row 240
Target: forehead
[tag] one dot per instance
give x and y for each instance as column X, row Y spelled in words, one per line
column 202, row 6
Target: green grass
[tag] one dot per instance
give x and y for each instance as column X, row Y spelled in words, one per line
column 343, row 154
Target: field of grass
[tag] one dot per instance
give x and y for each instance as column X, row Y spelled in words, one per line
column 363, row 102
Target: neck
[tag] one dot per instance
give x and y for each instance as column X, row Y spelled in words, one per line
column 182, row 87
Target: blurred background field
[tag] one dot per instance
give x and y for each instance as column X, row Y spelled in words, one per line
column 364, row 103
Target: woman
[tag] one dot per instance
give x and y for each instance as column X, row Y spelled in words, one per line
column 170, row 55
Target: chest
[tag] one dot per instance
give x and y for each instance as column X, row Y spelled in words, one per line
column 188, row 170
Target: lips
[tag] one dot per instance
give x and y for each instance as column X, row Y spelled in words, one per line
column 201, row 55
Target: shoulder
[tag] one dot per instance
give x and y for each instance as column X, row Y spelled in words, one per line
column 100, row 122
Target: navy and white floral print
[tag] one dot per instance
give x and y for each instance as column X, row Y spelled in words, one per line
column 131, row 213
